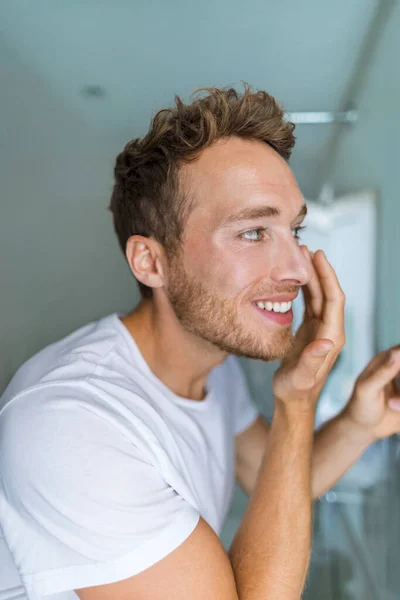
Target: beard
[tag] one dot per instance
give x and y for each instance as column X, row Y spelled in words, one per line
column 216, row 319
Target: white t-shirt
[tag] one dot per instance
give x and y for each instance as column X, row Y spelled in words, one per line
column 103, row 469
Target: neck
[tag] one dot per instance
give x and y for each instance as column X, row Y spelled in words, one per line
column 181, row 360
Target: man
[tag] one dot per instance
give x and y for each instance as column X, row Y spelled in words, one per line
column 120, row 443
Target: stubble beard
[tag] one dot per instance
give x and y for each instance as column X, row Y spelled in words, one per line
column 215, row 319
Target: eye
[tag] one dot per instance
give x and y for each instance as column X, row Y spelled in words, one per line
column 296, row 230
column 253, row 232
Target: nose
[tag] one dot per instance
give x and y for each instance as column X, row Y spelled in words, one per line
column 291, row 266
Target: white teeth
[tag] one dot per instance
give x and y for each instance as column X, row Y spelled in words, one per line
column 281, row 307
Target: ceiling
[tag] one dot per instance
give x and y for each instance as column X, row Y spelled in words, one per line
column 115, row 63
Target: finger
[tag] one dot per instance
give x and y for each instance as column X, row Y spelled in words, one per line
column 378, row 361
column 383, row 375
column 334, row 298
column 312, row 291
column 394, row 349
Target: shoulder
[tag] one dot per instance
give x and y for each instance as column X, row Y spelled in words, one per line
column 69, row 359
column 74, row 485
column 58, row 448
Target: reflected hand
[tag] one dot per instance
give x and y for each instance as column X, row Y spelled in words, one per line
column 375, row 402
column 303, row 372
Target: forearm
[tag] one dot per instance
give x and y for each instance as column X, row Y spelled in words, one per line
column 270, row 552
column 337, row 446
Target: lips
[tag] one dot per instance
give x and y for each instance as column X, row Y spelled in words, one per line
column 276, row 317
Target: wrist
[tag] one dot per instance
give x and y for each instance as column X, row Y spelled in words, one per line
column 295, row 411
column 364, row 434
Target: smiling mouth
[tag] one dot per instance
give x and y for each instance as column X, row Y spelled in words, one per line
column 277, row 307
column 281, row 318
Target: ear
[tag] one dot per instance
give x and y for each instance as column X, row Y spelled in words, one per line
column 145, row 257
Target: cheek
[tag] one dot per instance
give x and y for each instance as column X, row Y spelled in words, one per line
column 235, row 271
column 227, row 269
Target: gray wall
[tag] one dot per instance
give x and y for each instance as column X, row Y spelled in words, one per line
column 60, row 263
column 369, row 156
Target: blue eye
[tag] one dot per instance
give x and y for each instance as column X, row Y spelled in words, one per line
column 255, row 231
column 297, row 229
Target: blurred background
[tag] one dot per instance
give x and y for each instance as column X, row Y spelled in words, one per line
column 80, row 79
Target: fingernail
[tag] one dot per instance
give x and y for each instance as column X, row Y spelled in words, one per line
column 321, row 351
column 394, row 404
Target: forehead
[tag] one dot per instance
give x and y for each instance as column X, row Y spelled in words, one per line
column 237, row 173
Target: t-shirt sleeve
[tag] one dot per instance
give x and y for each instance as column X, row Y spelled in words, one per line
column 246, row 411
column 80, row 505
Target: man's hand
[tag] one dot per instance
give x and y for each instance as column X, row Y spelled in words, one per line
column 374, row 405
column 319, row 339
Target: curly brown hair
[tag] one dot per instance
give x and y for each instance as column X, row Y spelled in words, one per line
column 147, row 199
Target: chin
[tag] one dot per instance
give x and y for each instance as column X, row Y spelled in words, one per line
column 284, row 346
column 256, row 346
column 280, row 346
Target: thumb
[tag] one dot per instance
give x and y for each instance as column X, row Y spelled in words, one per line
column 310, row 361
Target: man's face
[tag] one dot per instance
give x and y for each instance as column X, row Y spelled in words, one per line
column 226, row 265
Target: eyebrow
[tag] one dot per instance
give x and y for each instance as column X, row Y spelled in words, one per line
column 247, row 214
